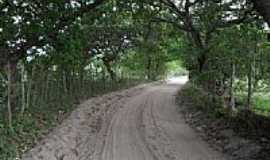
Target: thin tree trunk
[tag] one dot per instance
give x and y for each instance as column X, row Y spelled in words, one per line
column 10, row 94
column 232, row 99
column 103, row 80
column 46, row 89
column 252, row 76
column 64, row 79
column 82, row 86
column 41, row 85
column 23, row 80
column 249, row 95
column 110, row 70
column 148, row 68
column 29, row 87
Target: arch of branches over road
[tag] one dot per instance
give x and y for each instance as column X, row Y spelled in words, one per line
column 224, row 47
column 58, row 51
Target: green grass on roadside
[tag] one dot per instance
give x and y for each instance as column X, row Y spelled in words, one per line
column 199, row 100
column 261, row 105
column 260, row 102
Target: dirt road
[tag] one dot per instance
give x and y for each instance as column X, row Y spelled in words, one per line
column 141, row 123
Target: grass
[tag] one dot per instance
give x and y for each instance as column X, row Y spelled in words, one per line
column 199, row 99
column 261, row 105
column 260, row 102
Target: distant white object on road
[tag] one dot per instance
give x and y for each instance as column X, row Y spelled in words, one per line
column 177, row 80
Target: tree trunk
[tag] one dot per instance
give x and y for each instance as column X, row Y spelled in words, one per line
column 29, row 87
column 23, row 81
column 252, row 75
column 249, row 96
column 64, row 80
column 202, row 60
column 231, row 96
column 110, row 70
column 46, row 89
column 148, row 68
column 82, row 80
column 11, row 104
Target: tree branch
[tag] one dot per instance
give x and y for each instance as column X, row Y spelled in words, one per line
column 181, row 27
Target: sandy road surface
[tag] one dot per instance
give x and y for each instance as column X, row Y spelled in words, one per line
column 141, row 123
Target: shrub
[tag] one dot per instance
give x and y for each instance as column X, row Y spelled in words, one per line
column 193, row 96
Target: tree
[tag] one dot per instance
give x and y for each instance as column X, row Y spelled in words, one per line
column 23, row 27
column 200, row 20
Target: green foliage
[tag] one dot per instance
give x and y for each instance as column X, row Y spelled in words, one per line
column 262, row 105
column 175, row 69
column 260, row 102
column 196, row 99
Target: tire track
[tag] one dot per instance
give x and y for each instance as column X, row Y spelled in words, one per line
column 141, row 123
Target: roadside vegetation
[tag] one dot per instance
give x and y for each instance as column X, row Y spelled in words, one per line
column 55, row 54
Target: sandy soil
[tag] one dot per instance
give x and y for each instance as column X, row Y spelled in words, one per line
column 141, row 123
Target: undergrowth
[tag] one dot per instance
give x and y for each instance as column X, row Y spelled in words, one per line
column 247, row 123
column 195, row 98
